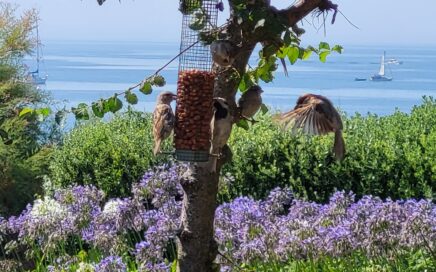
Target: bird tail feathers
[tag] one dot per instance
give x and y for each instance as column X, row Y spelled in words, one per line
column 339, row 145
column 156, row 147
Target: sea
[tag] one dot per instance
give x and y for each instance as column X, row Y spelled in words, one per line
column 84, row 71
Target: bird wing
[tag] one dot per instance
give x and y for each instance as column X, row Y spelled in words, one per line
column 163, row 121
column 308, row 117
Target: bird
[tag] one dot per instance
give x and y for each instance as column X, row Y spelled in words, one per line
column 163, row 119
column 250, row 102
column 315, row 115
column 223, row 52
column 221, row 127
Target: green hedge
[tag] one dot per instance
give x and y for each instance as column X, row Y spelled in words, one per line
column 392, row 156
column 110, row 155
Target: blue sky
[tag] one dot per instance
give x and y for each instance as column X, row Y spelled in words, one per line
column 396, row 22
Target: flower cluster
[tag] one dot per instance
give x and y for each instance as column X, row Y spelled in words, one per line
column 249, row 230
column 142, row 227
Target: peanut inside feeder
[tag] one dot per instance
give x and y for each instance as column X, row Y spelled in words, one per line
column 193, row 115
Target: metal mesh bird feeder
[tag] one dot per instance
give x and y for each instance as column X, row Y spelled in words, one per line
column 195, row 82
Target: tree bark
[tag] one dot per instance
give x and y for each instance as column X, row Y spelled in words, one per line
column 197, row 248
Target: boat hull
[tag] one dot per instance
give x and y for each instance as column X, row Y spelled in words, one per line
column 380, row 78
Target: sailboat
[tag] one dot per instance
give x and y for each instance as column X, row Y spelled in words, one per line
column 34, row 76
column 381, row 74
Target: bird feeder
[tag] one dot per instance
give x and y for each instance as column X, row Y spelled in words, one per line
column 195, row 83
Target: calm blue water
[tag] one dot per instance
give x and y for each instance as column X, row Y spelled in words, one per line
column 85, row 71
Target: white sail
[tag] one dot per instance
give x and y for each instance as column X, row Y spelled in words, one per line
column 382, row 66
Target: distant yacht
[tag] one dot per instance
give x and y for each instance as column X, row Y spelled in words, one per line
column 394, row 61
column 35, row 77
column 381, row 74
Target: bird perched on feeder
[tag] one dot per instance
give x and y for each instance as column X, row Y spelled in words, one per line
column 221, row 127
column 163, row 119
column 316, row 115
column 250, row 102
column 223, row 52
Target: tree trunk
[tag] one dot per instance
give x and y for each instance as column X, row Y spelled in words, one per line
column 197, row 248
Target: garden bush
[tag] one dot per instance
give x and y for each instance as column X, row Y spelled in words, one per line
column 111, row 155
column 390, row 156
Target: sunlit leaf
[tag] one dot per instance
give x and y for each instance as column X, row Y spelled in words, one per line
column 145, row 87
column 131, row 98
column 114, row 104
column 43, row 111
column 293, row 54
column 338, row 48
column 324, row 46
column 306, row 54
column 323, row 56
column 81, row 112
column 99, row 108
column 25, row 111
column 158, row 80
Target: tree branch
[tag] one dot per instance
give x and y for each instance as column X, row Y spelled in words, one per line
column 302, row 8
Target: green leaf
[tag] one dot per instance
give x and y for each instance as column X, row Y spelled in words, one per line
column 246, row 82
column 60, row 117
column 307, row 53
column 282, row 52
column 199, row 20
column 99, row 108
column 81, row 112
column 263, row 108
column 25, row 111
column 158, row 80
column 293, row 54
column 243, row 124
column 265, row 69
column 145, row 87
column 338, row 48
column 43, row 111
column 323, row 56
column 114, row 104
column 131, row 98
column 189, row 6
column 287, row 38
column 324, row 46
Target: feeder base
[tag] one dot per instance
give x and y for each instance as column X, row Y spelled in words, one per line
column 192, row 156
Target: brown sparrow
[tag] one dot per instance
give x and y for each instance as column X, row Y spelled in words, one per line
column 163, row 119
column 223, row 52
column 250, row 102
column 316, row 115
column 221, row 127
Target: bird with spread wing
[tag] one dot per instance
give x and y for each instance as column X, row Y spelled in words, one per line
column 315, row 115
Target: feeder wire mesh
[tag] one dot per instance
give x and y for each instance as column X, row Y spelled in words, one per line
column 198, row 56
